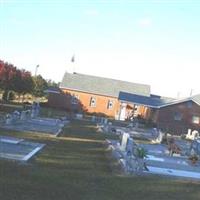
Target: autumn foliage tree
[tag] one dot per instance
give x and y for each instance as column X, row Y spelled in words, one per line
column 7, row 75
column 21, row 81
column 13, row 79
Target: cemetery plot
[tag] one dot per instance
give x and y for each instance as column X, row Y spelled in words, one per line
column 178, row 158
column 18, row 149
column 53, row 126
column 29, row 121
column 151, row 134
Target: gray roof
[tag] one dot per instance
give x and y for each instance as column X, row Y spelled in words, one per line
column 102, row 86
column 152, row 101
column 196, row 98
column 155, row 101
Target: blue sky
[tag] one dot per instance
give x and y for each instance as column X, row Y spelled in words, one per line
column 156, row 42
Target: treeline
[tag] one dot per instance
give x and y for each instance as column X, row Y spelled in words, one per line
column 19, row 81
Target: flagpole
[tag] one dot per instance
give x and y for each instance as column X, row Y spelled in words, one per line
column 73, row 61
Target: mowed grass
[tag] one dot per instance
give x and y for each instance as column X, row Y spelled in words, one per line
column 75, row 166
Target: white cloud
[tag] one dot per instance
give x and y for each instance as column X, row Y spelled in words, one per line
column 145, row 22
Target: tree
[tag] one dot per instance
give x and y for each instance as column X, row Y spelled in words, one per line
column 7, row 75
column 51, row 83
column 40, row 86
column 23, row 82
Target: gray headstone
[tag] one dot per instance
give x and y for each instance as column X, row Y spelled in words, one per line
column 129, row 146
column 105, row 120
column 93, row 119
column 9, row 119
column 23, row 115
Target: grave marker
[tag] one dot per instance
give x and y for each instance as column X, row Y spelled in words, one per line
column 124, row 140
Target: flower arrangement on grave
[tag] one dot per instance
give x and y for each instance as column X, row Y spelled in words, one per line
column 141, row 152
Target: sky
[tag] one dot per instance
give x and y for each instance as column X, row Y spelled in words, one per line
column 155, row 42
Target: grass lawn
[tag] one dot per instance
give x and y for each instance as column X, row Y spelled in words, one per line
column 75, row 166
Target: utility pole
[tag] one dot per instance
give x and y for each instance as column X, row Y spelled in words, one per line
column 36, row 68
column 191, row 91
column 178, row 95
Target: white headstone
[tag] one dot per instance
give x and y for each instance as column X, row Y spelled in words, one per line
column 188, row 136
column 195, row 134
column 124, row 140
column 192, row 135
column 159, row 135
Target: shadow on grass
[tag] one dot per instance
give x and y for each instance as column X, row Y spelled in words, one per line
column 74, row 166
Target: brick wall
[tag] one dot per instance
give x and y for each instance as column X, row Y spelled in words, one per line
column 64, row 100
column 186, row 111
column 101, row 105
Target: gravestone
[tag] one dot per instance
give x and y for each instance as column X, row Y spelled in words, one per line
column 35, row 109
column 105, row 120
column 195, row 146
column 93, row 119
column 102, row 120
column 23, row 115
column 9, row 119
column 192, row 135
column 159, row 135
column 124, row 140
column 28, row 114
column 16, row 115
column 129, row 146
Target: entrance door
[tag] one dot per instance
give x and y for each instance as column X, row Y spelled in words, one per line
column 122, row 113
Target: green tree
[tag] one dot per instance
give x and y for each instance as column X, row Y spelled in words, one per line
column 40, row 86
column 23, row 83
column 51, row 83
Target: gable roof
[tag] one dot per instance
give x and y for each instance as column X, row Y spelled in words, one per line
column 155, row 101
column 196, row 99
column 102, row 86
column 152, row 101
